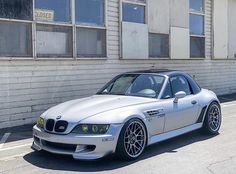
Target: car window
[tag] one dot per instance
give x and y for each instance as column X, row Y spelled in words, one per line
column 180, row 83
column 121, row 85
column 143, row 85
column 167, row 92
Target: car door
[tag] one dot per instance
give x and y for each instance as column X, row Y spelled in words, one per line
column 184, row 112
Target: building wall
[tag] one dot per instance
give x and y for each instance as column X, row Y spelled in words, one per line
column 220, row 22
column 232, row 28
column 29, row 87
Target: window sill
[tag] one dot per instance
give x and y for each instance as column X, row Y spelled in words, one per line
column 197, row 58
column 164, row 58
column 48, row 58
column 223, row 58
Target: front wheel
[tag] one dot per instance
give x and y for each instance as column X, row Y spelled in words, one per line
column 212, row 121
column 132, row 140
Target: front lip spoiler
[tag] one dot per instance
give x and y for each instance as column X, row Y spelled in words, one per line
column 104, row 144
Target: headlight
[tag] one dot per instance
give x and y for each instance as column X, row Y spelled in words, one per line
column 40, row 122
column 91, row 129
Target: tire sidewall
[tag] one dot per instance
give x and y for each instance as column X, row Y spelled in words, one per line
column 206, row 121
column 120, row 149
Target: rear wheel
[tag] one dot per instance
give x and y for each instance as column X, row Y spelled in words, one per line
column 212, row 120
column 132, row 140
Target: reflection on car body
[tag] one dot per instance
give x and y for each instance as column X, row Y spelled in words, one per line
column 132, row 111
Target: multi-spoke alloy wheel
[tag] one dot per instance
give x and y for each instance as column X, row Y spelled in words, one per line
column 132, row 140
column 214, row 117
column 135, row 139
column 212, row 120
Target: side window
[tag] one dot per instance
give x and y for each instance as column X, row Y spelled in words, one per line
column 167, row 93
column 180, row 83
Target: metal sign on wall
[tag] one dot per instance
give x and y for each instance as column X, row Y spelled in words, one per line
column 44, row 15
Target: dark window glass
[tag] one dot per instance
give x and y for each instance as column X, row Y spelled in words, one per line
column 134, row 85
column 193, row 84
column 91, row 42
column 158, row 45
column 16, row 9
column 15, row 39
column 54, row 41
column 197, row 46
column 52, row 10
column 89, row 12
column 196, row 24
column 179, row 83
column 167, row 92
column 133, row 13
column 197, row 5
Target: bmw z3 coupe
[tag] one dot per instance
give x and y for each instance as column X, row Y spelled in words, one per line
column 132, row 111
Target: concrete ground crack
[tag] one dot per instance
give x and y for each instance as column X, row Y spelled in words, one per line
column 217, row 162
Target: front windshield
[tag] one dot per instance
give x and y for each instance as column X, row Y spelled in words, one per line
column 142, row 85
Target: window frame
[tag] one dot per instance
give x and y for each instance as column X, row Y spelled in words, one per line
column 32, row 36
column 133, row 2
column 72, row 24
column 20, row 20
column 111, row 82
column 164, row 89
column 92, row 55
column 179, row 75
column 48, row 56
column 7, row 57
column 158, row 57
column 203, row 14
column 54, row 22
column 84, row 26
column 121, row 18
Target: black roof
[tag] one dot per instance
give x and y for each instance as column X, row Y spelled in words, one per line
column 157, row 71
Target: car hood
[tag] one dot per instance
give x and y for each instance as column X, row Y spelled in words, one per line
column 77, row 110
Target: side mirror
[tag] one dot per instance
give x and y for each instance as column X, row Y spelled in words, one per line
column 179, row 95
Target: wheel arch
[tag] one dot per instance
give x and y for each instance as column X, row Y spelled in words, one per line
column 141, row 120
column 211, row 102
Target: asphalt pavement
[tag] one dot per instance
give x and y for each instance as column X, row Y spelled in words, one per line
column 192, row 153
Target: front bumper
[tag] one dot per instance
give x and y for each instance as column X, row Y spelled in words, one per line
column 86, row 147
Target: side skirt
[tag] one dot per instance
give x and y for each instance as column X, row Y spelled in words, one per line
column 174, row 133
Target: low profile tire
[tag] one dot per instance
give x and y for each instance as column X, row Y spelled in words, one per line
column 132, row 140
column 212, row 121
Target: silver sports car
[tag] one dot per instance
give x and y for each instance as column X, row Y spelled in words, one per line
column 132, row 111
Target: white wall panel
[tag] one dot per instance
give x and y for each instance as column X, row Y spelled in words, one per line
column 134, row 40
column 232, row 29
column 159, row 16
column 179, row 13
column 180, row 43
column 220, row 20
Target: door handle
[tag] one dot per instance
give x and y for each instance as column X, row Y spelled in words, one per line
column 194, row 102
